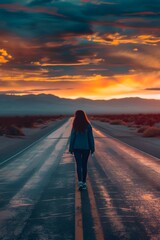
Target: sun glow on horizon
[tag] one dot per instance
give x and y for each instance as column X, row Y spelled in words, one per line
column 112, row 54
column 96, row 86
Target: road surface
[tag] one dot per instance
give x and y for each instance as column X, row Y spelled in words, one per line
column 39, row 199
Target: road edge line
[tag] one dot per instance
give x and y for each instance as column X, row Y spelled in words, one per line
column 24, row 149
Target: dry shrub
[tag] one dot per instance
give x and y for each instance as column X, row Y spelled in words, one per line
column 40, row 121
column 133, row 125
column 14, row 131
column 104, row 120
column 99, row 118
column 151, row 132
column 92, row 118
column 142, row 129
column 117, row 122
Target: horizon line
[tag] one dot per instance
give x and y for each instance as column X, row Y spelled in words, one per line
column 114, row 98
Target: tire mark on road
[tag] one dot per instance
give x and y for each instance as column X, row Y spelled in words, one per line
column 21, row 205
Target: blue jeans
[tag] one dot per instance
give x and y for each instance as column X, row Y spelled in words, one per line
column 81, row 156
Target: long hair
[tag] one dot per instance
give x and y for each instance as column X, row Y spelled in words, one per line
column 81, row 121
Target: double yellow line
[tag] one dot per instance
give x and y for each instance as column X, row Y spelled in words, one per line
column 78, row 215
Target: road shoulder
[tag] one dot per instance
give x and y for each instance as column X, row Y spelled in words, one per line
column 128, row 136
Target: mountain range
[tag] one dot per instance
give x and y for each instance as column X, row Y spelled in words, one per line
column 51, row 105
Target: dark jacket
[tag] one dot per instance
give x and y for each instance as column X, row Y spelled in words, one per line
column 82, row 140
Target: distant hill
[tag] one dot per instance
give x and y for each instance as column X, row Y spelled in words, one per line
column 50, row 104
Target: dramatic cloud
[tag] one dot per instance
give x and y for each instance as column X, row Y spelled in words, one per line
column 4, row 56
column 98, row 49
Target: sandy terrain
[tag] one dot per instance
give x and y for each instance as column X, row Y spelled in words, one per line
column 6, row 141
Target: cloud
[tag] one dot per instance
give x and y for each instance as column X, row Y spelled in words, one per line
column 139, row 59
column 17, row 8
column 4, row 56
column 4, row 84
column 100, row 86
column 81, row 62
column 32, row 91
column 77, row 44
column 37, row 15
column 117, row 38
column 152, row 89
column 97, row 2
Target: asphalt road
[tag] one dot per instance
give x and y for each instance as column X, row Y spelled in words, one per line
column 148, row 145
column 20, row 144
column 39, row 199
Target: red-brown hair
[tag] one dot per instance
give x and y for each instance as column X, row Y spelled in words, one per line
column 81, row 121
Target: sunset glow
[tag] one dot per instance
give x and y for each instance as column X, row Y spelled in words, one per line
column 72, row 49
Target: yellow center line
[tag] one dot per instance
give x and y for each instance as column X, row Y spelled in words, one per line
column 78, row 216
column 95, row 215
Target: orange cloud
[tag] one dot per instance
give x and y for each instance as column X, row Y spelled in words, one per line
column 117, row 39
column 81, row 62
column 4, row 56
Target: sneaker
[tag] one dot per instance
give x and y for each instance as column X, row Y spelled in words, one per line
column 84, row 186
column 80, row 185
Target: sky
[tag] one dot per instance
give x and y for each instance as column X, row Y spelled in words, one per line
column 93, row 49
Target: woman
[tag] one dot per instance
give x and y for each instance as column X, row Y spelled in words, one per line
column 81, row 144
